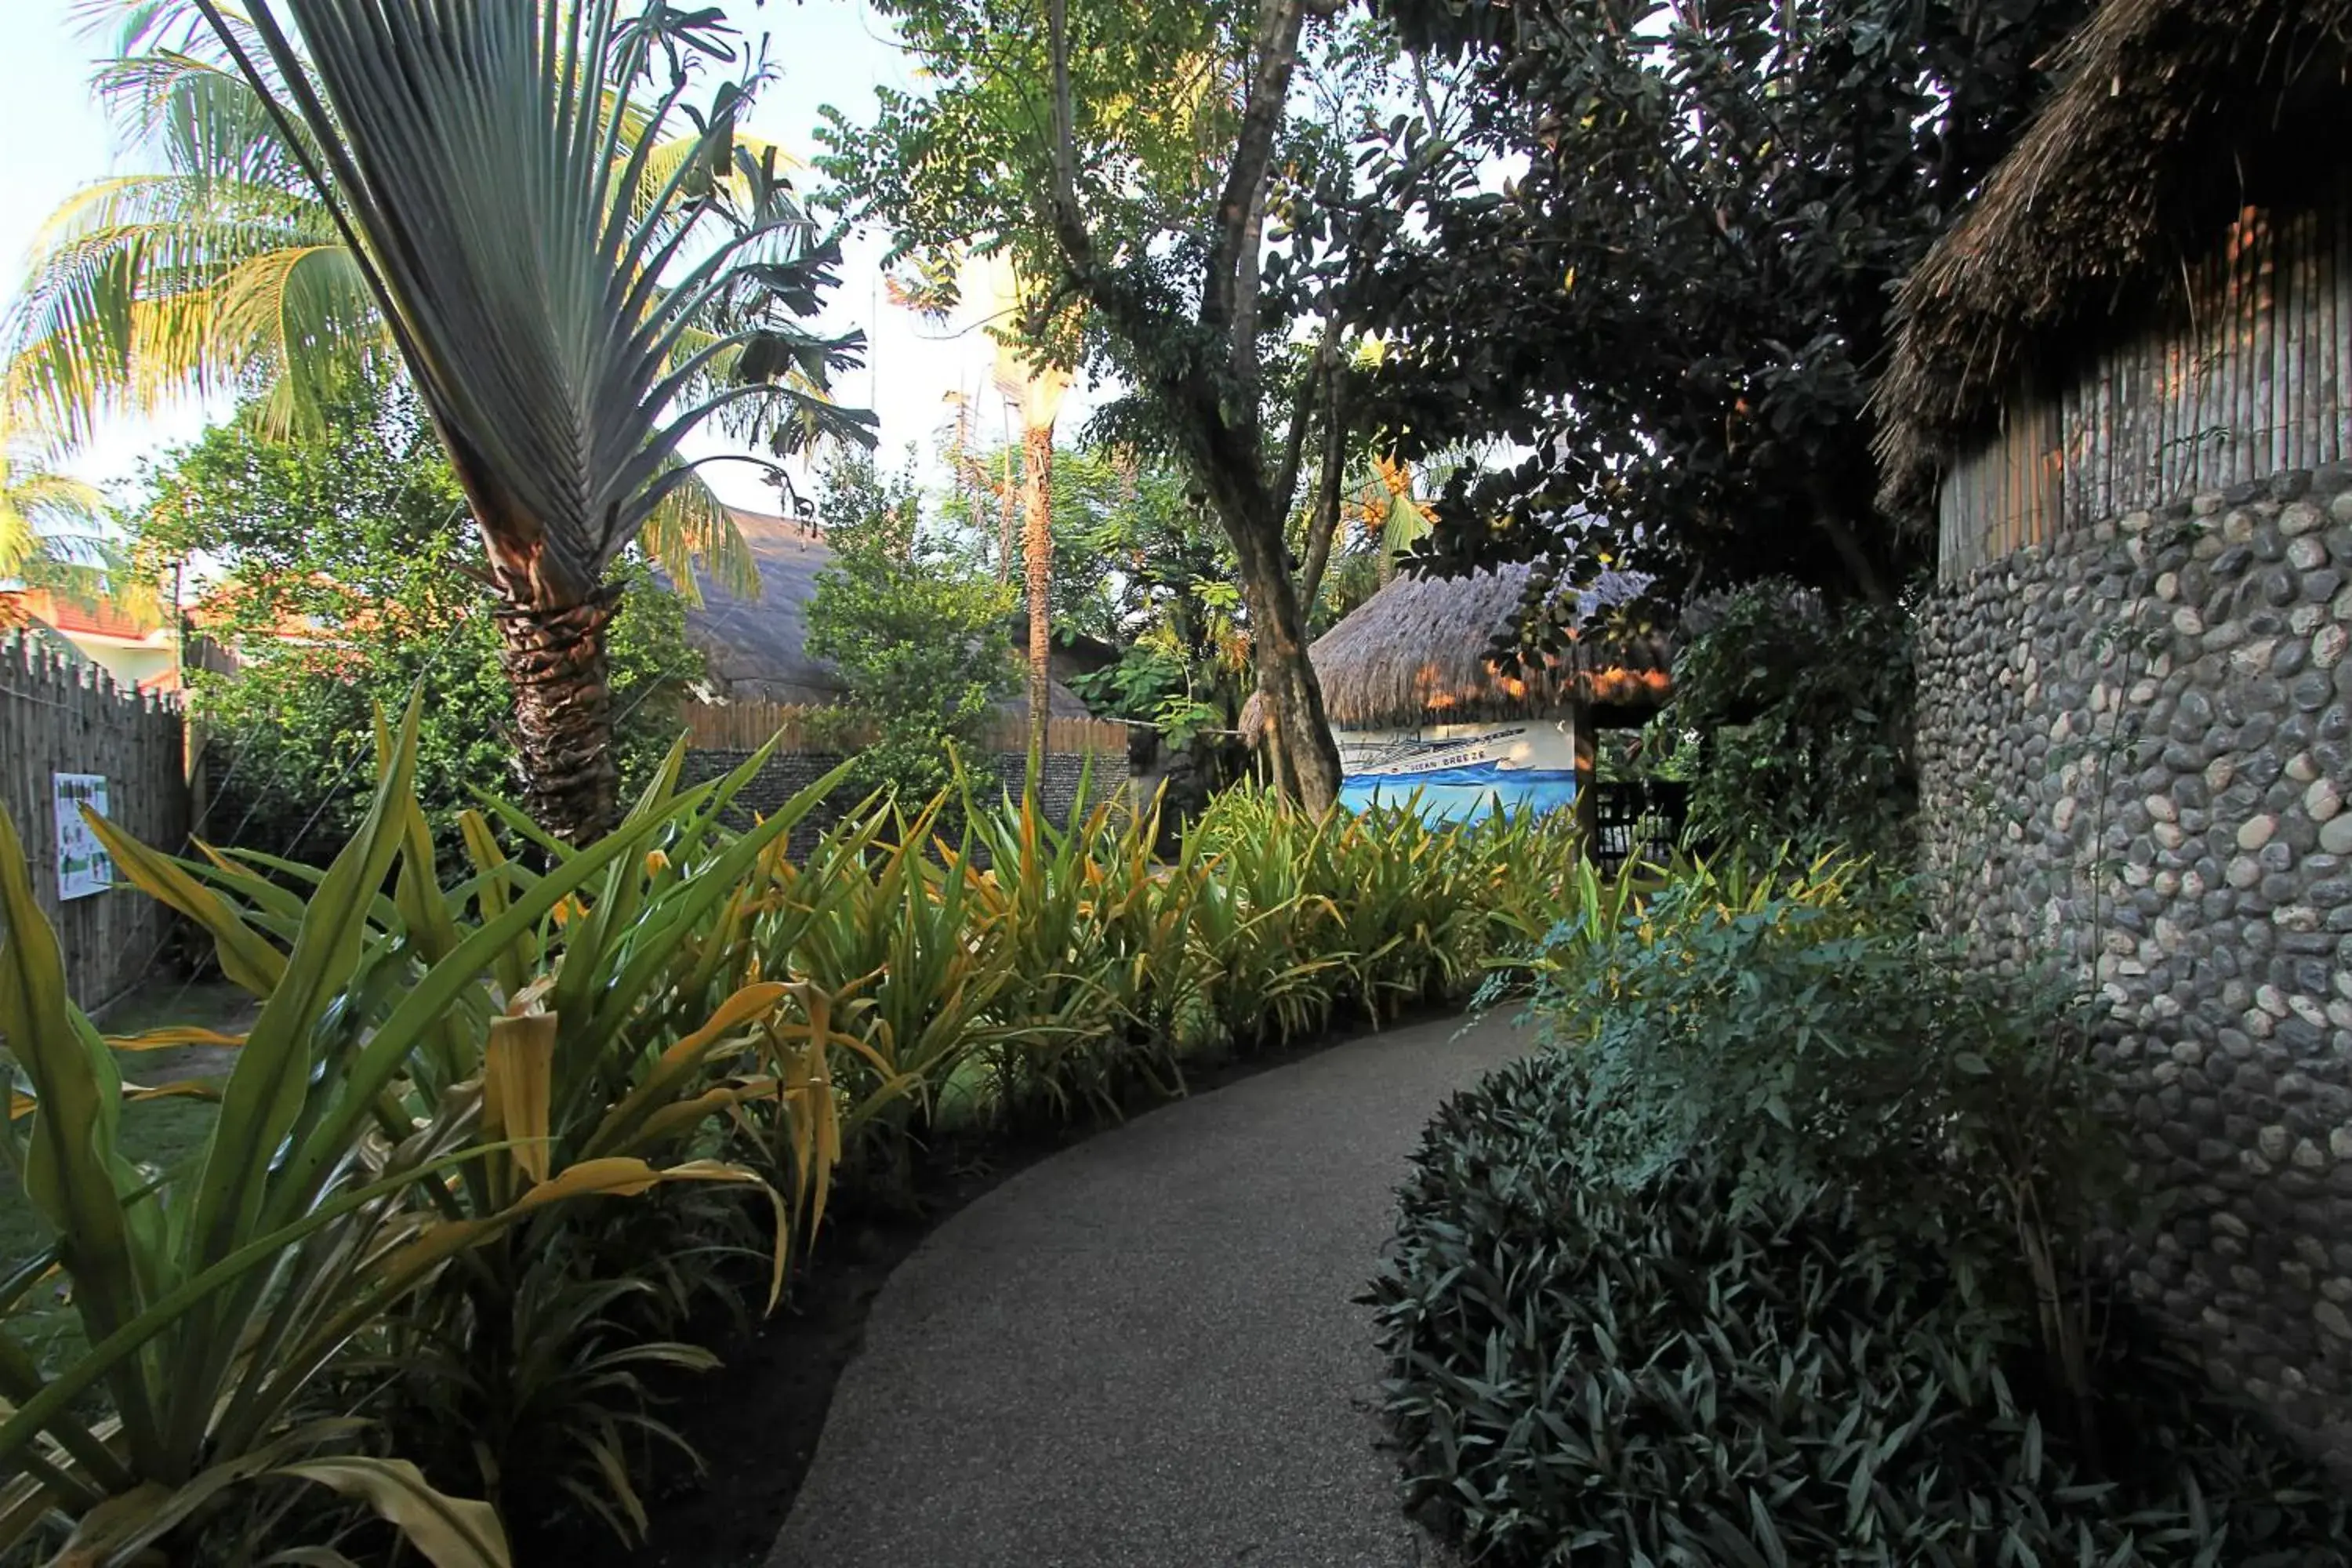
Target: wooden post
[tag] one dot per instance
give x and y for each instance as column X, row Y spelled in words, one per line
column 1587, row 809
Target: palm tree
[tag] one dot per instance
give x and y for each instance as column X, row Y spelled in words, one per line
column 53, row 530
column 570, row 290
column 224, row 271
column 1034, row 388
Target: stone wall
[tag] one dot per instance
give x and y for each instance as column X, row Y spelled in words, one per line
column 2136, row 750
column 788, row 773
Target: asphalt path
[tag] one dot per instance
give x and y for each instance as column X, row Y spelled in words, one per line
column 1143, row 1353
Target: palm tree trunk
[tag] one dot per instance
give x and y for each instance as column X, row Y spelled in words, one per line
column 1004, row 530
column 1037, row 481
column 555, row 658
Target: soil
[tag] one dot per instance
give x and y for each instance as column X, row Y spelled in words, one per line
column 756, row 1421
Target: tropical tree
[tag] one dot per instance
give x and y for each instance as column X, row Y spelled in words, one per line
column 222, row 272
column 1674, row 305
column 337, row 570
column 52, row 526
column 1136, row 158
column 1034, row 387
column 566, row 318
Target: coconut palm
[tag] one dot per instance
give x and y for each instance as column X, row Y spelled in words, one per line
column 571, row 289
column 53, row 532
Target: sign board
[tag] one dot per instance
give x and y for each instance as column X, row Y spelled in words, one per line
column 83, row 865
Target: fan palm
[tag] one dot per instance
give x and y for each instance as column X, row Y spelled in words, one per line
column 222, row 272
column 566, row 316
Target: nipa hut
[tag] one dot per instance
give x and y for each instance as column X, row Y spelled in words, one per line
column 1416, row 703
column 2124, row 386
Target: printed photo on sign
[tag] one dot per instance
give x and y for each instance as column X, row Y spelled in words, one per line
column 83, row 865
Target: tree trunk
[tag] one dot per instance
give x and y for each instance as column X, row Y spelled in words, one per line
column 555, row 658
column 1037, row 481
column 1005, row 529
column 1277, row 633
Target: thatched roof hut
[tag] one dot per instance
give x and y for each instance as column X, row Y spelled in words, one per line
column 1417, row 653
column 2172, row 116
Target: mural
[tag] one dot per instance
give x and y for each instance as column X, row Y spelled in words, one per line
column 1461, row 772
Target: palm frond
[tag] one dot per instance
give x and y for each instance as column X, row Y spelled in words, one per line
column 471, row 155
column 129, row 314
column 690, row 525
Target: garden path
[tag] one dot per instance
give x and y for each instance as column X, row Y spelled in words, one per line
column 1143, row 1353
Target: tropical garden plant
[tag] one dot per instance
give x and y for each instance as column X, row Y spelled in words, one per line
column 1786, row 1248
column 374, row 1278
column 642, row 281
column 213, row 1298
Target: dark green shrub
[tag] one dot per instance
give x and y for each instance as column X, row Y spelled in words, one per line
column 1801, row 714
column 1780, row 1252
column 1587, row 1370
column 1803, row 1031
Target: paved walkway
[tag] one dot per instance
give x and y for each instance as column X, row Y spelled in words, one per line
column 1141, row 1354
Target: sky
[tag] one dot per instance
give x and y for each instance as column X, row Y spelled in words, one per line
column 824, row 51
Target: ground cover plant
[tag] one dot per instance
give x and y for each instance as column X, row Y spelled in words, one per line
column 1782, row 1251
column 509, row 1120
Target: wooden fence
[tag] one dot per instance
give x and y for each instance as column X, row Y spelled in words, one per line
column 747, row 726
column 62, row 716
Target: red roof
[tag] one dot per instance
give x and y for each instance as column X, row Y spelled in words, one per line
column 70, row 615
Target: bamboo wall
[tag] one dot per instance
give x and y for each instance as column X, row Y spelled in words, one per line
column 747, row 726
column 2247, row 376
column 63, row 717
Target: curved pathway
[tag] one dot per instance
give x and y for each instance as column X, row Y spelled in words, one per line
column 1142, row 1353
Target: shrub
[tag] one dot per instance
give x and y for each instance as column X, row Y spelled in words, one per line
column 1801, row 714
column 1778, row 1252
column 1592, row 1371
column 917, row 636
column 347, row 576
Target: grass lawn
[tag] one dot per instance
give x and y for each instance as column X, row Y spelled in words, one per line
column 160, row 1132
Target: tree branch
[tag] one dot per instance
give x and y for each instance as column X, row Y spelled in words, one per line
column 1293, row 445
column 1323, row 523
column 1069, row 223
column 1277, row 47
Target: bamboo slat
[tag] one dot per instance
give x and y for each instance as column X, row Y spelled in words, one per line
column 747, row 726
column 62, row 716
column 2246, row 375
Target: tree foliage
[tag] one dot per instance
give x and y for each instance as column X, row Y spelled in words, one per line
column 1796, row 720
column 1657, row 258
column 346, row 577
column 917, row 633
column 1137, row 160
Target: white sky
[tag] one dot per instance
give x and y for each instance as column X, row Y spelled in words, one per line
column 825, row 51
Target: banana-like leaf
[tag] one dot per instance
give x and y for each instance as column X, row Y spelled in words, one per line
column 517, row 1071
column 447, row 1531
column 246, row 957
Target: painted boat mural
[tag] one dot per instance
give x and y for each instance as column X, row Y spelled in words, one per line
column 1461, row 772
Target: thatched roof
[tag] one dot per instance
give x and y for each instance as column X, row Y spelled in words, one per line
column 1415, row 653
column 755, row 651
column 2171, row 115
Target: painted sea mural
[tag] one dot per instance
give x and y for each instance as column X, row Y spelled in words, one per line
column 1461, row 772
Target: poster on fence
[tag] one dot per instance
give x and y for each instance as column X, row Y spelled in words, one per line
column 83, row 865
